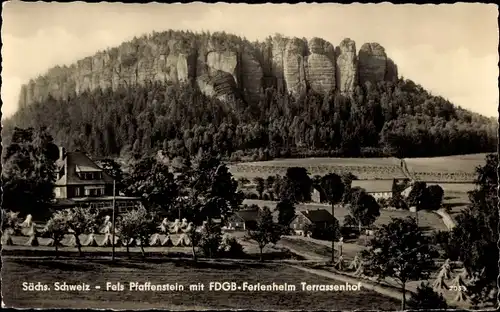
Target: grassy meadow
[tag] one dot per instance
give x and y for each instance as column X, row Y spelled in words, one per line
column 183, row 272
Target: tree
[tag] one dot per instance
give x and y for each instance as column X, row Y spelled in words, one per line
column 29, row 172
column 333, row 188
column 10, row 224
column 260, row 186
column 154, row 183
column 476, row 234
column 426, row 298
column 363, row 208
column 136, row 224
column 418, row 196
column 286, row 213
column 435, row 197
column 243, row 181
column 112, row 168
column 266, row 230
column 212, row 185
column 56, row 228
column 79, row 221
column 347, row 179
column 401, row 251
column 207, row 190
column 211, row 238
column 270, row 182
column 299, row 183
column 145, row 227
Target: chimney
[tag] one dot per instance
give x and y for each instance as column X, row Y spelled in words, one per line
column 62, row 152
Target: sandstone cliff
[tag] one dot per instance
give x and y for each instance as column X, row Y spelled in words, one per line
column 221, row 65
column 372, row 63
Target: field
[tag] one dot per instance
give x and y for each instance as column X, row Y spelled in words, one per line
column 363, row 168
column 98, row 272
column 427, row 220
column 442, row 169
column 449, row 168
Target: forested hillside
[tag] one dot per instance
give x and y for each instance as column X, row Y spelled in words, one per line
column 391, row 118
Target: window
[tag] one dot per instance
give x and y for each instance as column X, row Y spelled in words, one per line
column 94, row 190
column 77, row 191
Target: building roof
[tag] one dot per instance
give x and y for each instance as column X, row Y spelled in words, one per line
column 79, row 162
column 248, row 214
column 318, row 215
column 373, row 186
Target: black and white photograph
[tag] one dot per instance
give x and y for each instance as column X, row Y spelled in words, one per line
column 261, row 157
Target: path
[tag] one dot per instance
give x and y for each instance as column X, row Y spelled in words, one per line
column 447, row 219
column 386, row 291
column 405, row 170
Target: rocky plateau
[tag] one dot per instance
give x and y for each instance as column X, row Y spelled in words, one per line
column 220, row 68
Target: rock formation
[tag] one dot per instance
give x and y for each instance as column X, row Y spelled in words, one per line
column 293, row 65
column 320, row 73
column 220, row 66
column 372, row 63
column 279, row 45
column 346, row 70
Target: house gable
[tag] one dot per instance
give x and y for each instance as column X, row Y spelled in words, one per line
column 76, row 168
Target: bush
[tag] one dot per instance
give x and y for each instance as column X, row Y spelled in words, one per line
column 231, row 248
column 442, row 239
column 383, row 203
column 427, row 298
column 349, row 232
column 251, row 196
column 210, row 241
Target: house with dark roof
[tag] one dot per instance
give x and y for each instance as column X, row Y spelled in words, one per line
column 320, row 218
column 81, row 182
column 243, row 220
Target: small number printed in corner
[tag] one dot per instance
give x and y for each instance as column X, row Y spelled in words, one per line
column 458, row 288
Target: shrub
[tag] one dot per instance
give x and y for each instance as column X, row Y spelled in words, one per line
column 231, row 248
column 210, row 241
column 252, row 196
column 427, row 298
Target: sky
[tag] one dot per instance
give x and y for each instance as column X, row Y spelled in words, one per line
column 449, row 49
